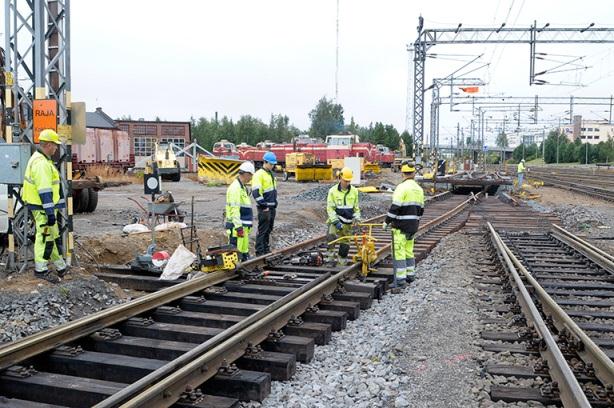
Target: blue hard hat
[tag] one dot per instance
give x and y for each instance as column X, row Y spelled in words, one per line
column 270, row 157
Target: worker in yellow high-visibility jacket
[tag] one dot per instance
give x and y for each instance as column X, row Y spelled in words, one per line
column 343, row 211
column 404, row 217
column 42, row 195
column 264, row 190
column 239, row 214
column 520, row 171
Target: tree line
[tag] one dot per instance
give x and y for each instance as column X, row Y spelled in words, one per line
column 326, row 118
column 568, row 151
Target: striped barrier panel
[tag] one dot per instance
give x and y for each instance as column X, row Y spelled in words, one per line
column 217, row 170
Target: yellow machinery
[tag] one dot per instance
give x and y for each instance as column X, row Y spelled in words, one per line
column 164, row 162
column 365, row 166
column 304, row 168
column 365, row 244
column 223, row 258
column 371, row 168
column 213, row 169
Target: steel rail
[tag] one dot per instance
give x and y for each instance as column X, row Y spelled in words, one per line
column 20, row 350
column 570, row 390
column 197, row 370
column 32, row 345
column 601, row 258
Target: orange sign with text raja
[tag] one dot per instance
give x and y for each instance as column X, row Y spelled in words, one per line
column 45, row 116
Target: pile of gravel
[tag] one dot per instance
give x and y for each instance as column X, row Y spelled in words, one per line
column 283, row 235
column 22, row 314
column 580, row 218
column 391, row 356
column 320, row 193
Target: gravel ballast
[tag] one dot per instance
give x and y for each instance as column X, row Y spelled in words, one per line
column 414, row 349
column 48, row 305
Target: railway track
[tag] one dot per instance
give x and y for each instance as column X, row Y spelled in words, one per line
column 551, row 295
column 599, row 184
column 159, row 349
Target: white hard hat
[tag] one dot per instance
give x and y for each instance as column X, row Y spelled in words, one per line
column 247, row 167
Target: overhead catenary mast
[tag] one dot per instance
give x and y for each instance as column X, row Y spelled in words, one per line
column 337, row 57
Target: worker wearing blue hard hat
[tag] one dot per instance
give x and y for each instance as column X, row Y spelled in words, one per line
column 264, row 190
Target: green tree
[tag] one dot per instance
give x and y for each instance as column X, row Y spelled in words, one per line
column 326, row 118
column 502, row 140
column 409, row 143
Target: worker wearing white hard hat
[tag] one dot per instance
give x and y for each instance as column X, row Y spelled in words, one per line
column 239, row 215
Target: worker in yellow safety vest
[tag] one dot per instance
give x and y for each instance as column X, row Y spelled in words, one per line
column 43, row 197
column 404, row 217
column 343, row 211
column 264, row 190
column 520, row 170
column 239, row 215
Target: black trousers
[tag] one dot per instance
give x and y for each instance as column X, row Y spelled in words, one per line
column 266, row 220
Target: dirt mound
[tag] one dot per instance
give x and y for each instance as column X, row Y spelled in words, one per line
column 121, row 249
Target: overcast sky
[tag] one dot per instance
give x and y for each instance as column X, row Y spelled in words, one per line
column 192, row 58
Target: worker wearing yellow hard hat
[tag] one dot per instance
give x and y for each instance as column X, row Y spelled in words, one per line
column 404, row 217
column 343, row 211
column 43, row 196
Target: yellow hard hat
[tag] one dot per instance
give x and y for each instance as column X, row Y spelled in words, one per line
column 49, row 135
column 408, row 167
column 346, row 174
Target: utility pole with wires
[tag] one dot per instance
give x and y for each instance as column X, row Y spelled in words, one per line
column 533, row 36
column 337, row 57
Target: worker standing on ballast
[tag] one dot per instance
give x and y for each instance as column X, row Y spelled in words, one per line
column 42, row 195
column 238, row 214
column 520, row 171
column 264, row 190
column 404, row 217
column 343, row 211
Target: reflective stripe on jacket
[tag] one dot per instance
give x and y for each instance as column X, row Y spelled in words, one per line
column 238, row 206
column 407, row 207
column 264, row 188
column 342, row 205
column 41, row 185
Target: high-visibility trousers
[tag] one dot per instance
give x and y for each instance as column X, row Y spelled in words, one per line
column 403, row 263
column 334, row 233
column 241, row 243
column 46, row 243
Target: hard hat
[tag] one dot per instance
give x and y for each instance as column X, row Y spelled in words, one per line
column 522, row 160
column 49, row 135
column 160, row 258
column 247, row 167
column 346, row 174
column 408, row 167
column 270, row 157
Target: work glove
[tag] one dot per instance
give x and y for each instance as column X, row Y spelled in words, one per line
column 356, row 221
column 338, row 225
column 240, row 232
column 385, row 225
column 50, row 219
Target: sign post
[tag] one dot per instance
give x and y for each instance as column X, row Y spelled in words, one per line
column 45, row 116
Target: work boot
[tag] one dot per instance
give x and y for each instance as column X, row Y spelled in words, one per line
column 342, row 262
column 48, row 276
column 411, row 278
column 62, row 272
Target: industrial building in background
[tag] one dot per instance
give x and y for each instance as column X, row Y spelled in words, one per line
column 588, row 131
column 144, row 134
